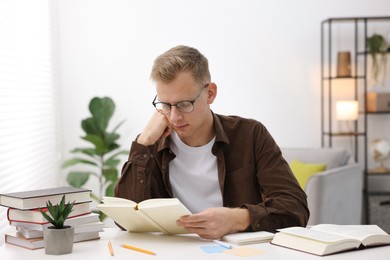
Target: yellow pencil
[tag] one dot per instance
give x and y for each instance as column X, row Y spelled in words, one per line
column 110, row 248
column 138, row 249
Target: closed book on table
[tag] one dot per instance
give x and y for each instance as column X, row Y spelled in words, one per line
column 35, row 216
column 245, row 238
column 17, row 239
column 83, row 219
column 37, row 198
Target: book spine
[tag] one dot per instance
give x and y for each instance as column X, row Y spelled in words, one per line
column 8, row 214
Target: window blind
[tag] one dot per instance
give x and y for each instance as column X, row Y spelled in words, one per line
column 28, row 99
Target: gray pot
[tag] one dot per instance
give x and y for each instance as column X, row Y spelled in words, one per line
column 58, row 241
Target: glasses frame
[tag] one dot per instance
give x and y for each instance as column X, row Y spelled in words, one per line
column 176, row 105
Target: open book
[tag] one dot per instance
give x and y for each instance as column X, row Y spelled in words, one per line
column 153, row 215
column 325, row 239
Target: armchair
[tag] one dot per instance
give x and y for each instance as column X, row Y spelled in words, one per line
column 334, row 195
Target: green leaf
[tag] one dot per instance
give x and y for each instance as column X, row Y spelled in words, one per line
column 67, row 210
column 110, row 138
column 102, row 110
column 111, row 163
column 74, row 161
column 121, row 152
column 102, row 216
column 110, row 189
column 62, row 203
column 112, row 147
column 90, row 127
column 110, row 174
column 78, row 179
column 46, row 216
column 87, row 151
column 99, row 143
column 51, row 209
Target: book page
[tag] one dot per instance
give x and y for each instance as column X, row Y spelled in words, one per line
column 115, row 200
column 165, row 212
column 314, row 234
column 160, row 202
column 367, row 234
column 313, row 241
column 127, row 217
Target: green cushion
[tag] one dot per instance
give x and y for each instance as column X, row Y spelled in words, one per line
column 303, row 171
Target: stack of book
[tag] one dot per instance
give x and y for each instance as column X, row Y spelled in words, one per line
column 23, row 213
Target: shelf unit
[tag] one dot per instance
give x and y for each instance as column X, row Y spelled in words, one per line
column 356, row 37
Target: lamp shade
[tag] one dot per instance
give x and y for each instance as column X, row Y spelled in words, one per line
column 347, row 110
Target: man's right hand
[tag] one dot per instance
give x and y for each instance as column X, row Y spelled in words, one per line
column 157, row 127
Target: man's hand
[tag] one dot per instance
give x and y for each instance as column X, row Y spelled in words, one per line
column 157, row 127
column 214, row 223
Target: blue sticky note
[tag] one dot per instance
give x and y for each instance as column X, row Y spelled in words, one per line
column 213, row 249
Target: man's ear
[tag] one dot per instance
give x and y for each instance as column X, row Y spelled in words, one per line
column 211, row 92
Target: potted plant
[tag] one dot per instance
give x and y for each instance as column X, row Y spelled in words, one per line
column 101, row 160
column 58, row 238
column 377, row 46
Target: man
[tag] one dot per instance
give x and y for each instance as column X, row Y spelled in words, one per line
column 227, row 170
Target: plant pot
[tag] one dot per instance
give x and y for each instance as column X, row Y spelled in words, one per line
column 58, row 241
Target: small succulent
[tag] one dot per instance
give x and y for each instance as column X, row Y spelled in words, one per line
column 58, row 212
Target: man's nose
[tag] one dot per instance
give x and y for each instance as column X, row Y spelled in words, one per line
column 175, row 114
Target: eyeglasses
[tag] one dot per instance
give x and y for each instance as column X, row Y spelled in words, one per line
column 185, row 106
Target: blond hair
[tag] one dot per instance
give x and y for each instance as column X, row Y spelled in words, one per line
column 180, row 59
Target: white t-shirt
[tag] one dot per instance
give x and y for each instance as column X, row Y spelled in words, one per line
column 193, row 175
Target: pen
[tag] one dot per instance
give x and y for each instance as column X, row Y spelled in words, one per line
column 222, row 244
column 110, row 248
column 138, row 249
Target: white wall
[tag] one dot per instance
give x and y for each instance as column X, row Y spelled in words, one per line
column 263, row 55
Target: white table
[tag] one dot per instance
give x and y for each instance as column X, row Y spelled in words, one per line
column 175, row 247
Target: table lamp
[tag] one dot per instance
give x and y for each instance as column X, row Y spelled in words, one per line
column 346, row 112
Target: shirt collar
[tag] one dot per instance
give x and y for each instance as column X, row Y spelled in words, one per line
column 220, row 135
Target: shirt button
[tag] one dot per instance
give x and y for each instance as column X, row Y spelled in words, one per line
column 145, row 155
column 141, row 181
column 151, row 156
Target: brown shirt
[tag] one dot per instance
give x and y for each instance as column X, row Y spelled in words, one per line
column 251, row 170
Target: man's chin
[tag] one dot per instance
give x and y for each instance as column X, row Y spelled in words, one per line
column 182, row 134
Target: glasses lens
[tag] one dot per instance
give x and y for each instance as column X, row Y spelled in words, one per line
column 185, row 106
column 163, row 108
